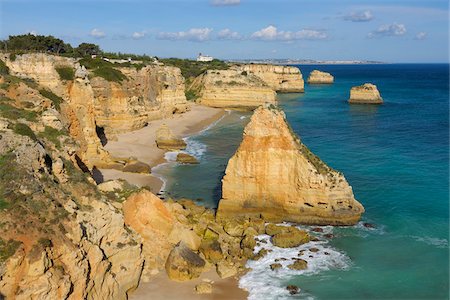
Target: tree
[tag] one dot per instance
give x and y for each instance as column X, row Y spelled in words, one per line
column 85, row 49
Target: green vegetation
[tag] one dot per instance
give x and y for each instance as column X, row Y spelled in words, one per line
column 94, row 63
column 8, row 248
column 110, row 74
column 54, row 98
column 10, row 112
column 192, row 68
column 52, row 135
column 66, row 73
column 191, row 95
column 25, row 130
column 85, row 49
column 30, row 42
column 12, row 56
column 4, row 70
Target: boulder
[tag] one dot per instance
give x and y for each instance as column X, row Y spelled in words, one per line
column 319, row 77
column 211, row 250
column 234, row 228
column 184, row 264
column 111, row 185
column 136, row 167
column 166, row 140
column 203, row 288
column 185, row 158
column 272, row 229
column 226, row 269
column 365, row 94
column 299, row 264
column 290, row 239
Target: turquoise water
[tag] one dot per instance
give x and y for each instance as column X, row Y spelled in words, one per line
column 394, row 155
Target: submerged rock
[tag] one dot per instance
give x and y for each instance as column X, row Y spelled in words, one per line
column 365, row 94
column 184, row 264
column 293, row 289
column 274, row 175
column 275, row 266
column 165, row 139
column 299, row 264
column 319, row 77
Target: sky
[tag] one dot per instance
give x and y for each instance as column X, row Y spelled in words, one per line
column 380, row 30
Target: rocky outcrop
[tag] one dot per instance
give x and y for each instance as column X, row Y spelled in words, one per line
column 274, row 175
column 319, row 77
column 185, row 158
column 365, row 94
column 283, row 79
column 232, row 88
column 165, row 139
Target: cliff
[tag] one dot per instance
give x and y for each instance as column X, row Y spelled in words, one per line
column 89, row 103
column 274, row 175
column 365, row 94
column 232, row 89
column 283, row 79
column 319, row 77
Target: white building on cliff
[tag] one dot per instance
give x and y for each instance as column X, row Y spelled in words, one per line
column 204, row 58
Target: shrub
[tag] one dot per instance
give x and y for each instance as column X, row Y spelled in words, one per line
column 192, row 68
column 191, row 95
column 244, row 73
column 65, row 73
column 94, row 63
column 110, row 74
column 8, row 248
column 10, row 112
column 25, row 130
column 54, row 98
column 4, row 70
column 12, row 56
column 52, row 135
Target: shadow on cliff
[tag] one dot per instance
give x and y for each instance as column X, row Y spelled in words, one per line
column 217, row 191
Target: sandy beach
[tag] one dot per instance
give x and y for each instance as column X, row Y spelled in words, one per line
column 160, row 287
column 141, row 145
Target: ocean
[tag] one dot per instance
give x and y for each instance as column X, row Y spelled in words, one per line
column 396, row 158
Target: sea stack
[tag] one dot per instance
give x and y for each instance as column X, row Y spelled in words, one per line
column 319, row 77
column 365, row 94
column 274, row 175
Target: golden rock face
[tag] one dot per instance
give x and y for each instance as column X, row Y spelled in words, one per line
column 274, row 175
column 365, row 94
column 319, row 77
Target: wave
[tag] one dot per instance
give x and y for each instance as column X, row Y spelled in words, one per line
column 263, row 283
column 433, row 241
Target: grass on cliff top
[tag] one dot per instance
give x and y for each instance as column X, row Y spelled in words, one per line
column 192, row 68
column 102, row 68
column 54, row 98
column 65, row 73
column 4, row 70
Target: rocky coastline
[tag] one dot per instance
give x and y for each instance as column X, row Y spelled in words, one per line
column 67, row 234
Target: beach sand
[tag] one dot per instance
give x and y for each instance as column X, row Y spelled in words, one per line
column 141, row 145
column 161, row 287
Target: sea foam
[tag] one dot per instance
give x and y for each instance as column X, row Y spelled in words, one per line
column 263, row 283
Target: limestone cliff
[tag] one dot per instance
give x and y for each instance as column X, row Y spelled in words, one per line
column 283, row 79
column 89, row 102
column 365, row 94
column 232, row 89
column 274, row 175
column 319, row 77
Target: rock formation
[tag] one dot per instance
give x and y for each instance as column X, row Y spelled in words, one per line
column 165, row 139
column 365, row 94
column 319, row 77
column 232, row 89
column 274, row 175
column 185, row 158
column 283, row 79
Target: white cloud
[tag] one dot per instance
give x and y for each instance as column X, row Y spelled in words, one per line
column 225, row 2
column 33, row 32
column 138, row 35
column 193, row 34
column 227, row 34
column 394, row 29
column 97, row 33
column 363, row 16
column 421, row 36
column 271, row 33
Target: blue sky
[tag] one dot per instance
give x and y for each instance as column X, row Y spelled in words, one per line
column 390, row 31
